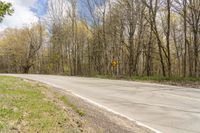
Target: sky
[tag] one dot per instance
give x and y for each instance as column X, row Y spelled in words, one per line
column 28, row 11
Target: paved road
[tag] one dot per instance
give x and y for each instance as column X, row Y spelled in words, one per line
column 165, row 108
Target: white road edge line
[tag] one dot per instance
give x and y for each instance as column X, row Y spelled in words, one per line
column 101, row 106
column 114, row 112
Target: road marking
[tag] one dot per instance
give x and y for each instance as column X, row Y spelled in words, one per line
column 98, row 105
column 114, row 112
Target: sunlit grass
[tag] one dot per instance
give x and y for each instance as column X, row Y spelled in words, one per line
column 24, row 107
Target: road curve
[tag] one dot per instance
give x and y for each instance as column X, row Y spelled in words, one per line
column 165, row 108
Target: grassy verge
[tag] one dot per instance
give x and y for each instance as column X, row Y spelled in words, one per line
column 24, row 107
column 179, row 81
column 165, row 79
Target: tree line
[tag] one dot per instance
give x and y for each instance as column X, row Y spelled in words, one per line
column 142, row 37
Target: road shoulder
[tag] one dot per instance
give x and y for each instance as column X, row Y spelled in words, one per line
column 100, row 119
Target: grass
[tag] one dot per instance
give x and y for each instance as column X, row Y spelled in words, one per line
column 25, row 108
column 155, row 78
column 162, row 79
column 183, row 81
column 75, row 108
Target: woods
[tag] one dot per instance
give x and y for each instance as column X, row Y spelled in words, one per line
column 143, row 37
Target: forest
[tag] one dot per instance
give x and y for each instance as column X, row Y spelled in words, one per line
column 111, row 37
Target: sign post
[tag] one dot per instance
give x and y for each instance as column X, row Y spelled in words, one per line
column 114, row 65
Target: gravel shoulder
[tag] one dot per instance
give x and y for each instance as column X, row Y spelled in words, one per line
column 96, row 119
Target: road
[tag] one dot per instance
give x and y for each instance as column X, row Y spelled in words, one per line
column 165, row 108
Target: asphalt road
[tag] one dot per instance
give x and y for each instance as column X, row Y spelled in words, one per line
column 165, row 108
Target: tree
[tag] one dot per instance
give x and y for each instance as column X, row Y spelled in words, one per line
column 20, row 48
column 153, row 7
column 5, row 9
column 168, row 36
column 33, row 44
column 194, row 22
column 145, row 38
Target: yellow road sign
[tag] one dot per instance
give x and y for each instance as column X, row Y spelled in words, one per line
column 114, row 63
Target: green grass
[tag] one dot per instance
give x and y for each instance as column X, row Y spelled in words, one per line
column 168, row 80
column 24, row 107
column 161, row 79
